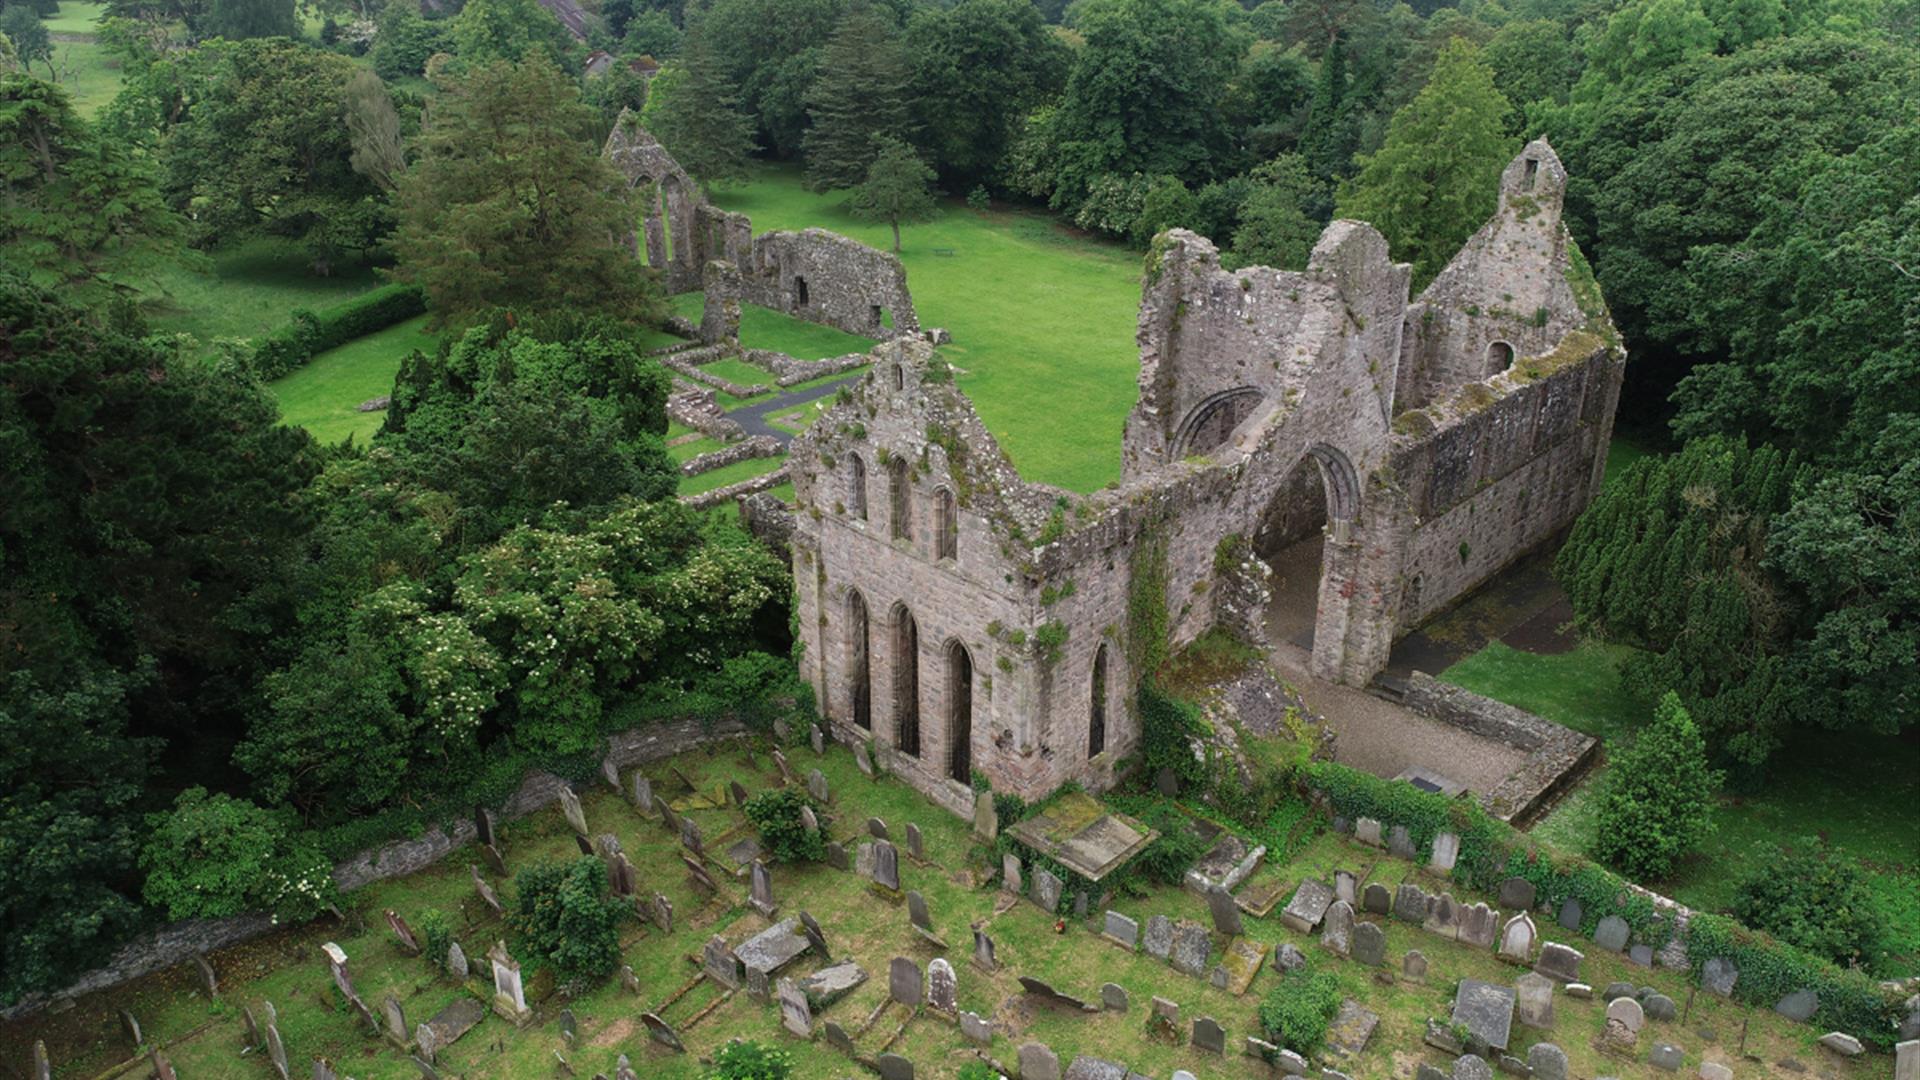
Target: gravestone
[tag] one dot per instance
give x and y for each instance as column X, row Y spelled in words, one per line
column 1612, row 933
column 1443, row 916
column 396, row 1021
column 620, row 875
column 1718, row 976
column 250, row 1028
column 894, row 1067
column 1713, row 1070
column 1191, row 946
column 1113, row 997
column 1209, row 1035
column 1164, row 1020
column 403, row 933
column 628, row 980
column 762, row 890
column 809, row 820
column 457, row 962
column 1038, row 1062
column 623, row 1069
column 586, row 848
column 1516, row 939
column 1346, row 886
column 1559, row 962
column 661, row 910
column 1226, row 914
column 1352, row 1028
column 1410, row 904
column 817, row 786
column 1376, row 899
column 1627, row 1013
column 277, row 1052
column 1308, row 907
column 816, row 937
column 1616, row 989
column 1045, row 891
column 917, row 911
column 483, row 825
column 1640, row 956
column 690, row 837
column 208, row 980
column 1485, row 1011
column 786, row 768
column 1159, row 937
column 916, row 844
column 877, row 828
column 1579, row 991
column 720, row 963
column 795, row 1015
column 816, row 739
column 983, row 957
column 903, row 981
column 1660, row 1007
column 668, row 818
column 509, row 993
column 830, row 984
column 1446, row 852
column 1479, row 925
column 943, row 986
column 886, row 865
column 1842, row 1044
column 1471, row 1067
column 1517, row 892
column 1121, row 930
column 976, row 1028
column 1534, row 1000
column 837, row 856
column 130, row 1028
column 699, row 875
column 1414, row 966
column 642, row 792
column 570, row 806
column 661, row 1032
column 1367, row 831
column 1547, row 1061
column 1010, row 873
column 1571, row 914
column 337, row 966
column 1290, row 1063
column 1338, row 933
column 1666, row 1056
column 838, row 1038
column 986, row 819
column 494, row 860
column 1400, row 842
column 1370, row 944
column 861, row 759
column 736, row 793
column 486, row 893
column 1288, row 957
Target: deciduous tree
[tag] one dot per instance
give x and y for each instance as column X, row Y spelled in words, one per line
column 896, row 189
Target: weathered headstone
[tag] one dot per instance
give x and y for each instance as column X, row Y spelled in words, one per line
column 976, row 1028
column 1369, row 944
column 1163, row 1022
column 1288, row 957
column 1547, row 1061
column 861, row 759
column 1516, row 939
column 1799, row 1005
column 1559, row 962
column 1367, row 831
column 1338, row 933
column 1517, row 892
column 1485, row 1011
column 485, row 891
column 1627, row 1013
column 816, row 739
column 1113, row 997
column 1400, row 842
column 1446, row 852
column 837, row 856
column 1572, row 912
column 1038, row 1062
column 662, row 1032
column 1906, row 1060
column 1612, row 933
column 699, row 875
column 903, row 981
column 1414, row 965
column 1209, row 1035
column 1308, row 906
column 1718, row 976
column 337, row 967
column 1666, row 1056
column 1660, row 1007
column 886, row 865
column 1443, row 916
column 720, row 963
column 1121, row 930
column 916, row 843
column 877, row 828
column 570, row 807
column 130, row 1028
column 1376, row 899
column 1010, row 873
column 1226, row 914
column 786, row 767
column 943, row 986
column 690, row 837
column 1713, row 1070
column 509, row 992
column 817, row 786
column 1533, row 1005
column 983, row 957
column 917, row 912
column 1346, row 886
column 736, row 793
column 640, row 792
column 1471, row 1067
column 668, row 818
column 816, row 937
column 660, row 910
column 1410, row 904
column 795, row 1015
column 838, row 1038
column 1159, row 937
column 1479, row 925
column 620, row 874
column 1640, row 955
column 457, row 962
column 277, row 1052
column 494, row 860
column 1045, row 890
column 986, row 818
column 402, row 932
column 1191, row 947
column 629, row 981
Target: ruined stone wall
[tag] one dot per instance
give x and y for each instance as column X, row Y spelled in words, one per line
column 833, row 280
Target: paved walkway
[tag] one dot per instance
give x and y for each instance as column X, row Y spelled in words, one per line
column 753, row 418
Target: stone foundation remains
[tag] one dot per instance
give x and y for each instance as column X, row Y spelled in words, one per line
column 964, row 619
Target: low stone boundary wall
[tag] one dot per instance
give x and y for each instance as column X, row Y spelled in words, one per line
column 681, row 364
column 1556, row 755
column 791, row 370
column 757, row 447
column 178, row 942
column 731, row 492
column 697, row 408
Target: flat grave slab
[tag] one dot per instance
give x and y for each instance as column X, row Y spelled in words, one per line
column 1351, row 1030
column 830, row 984
column 1486, row 1011
column 1090, row 840
column 1242, row 963
column 1092, row 1068
column 773, row 948
column 1260, row 898
column 1309, row 905
column 458, row 1018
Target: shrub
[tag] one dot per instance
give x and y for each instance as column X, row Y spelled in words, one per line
column 977, row 1070
column 1296, row 1013
column 562, row 918
column 310, row 332
column 1174, row 851
column 1658, row 800
column 978, row 199
column 1817, row 900
column 776, row 813
column 436, row 935
column 750, row 1060
column 1168, row 727
column 214, row 855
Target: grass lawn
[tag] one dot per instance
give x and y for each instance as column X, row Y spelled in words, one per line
column 765, row 328
column 249, row 290
column 1580, row 689
column 1039, row 316
column 76, row 17
column 321, row 396
column 729, row 474
column 686, row 452
column 739, row 372
column 89, row 76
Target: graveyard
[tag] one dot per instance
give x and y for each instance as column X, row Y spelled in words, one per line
column 915, row 948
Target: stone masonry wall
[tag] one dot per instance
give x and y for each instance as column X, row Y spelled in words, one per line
column 831, row 279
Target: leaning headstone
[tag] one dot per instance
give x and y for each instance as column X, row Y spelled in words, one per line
column 983, row 957
column 1288, row 957
column 809, row 820
column 1410, row 904
column 1612, row 933
column 976, row 1028
column 1799, row 1005
column 1346, row 886
column 662, row 1032
column 1121, row 930
column 337, row 966
column 699, row 874
column 1446, row 852
column 986, row 818
column 690, row 837
column 457, row 961
column 1045, row 891
column 1533, row 1005
column 570, row 806
column 251, row 1027
column 130, row 1028
column 1308, row 906
column 893, row 1067
column 485, row 892
column 1547, row 1061
column 1516, row 939
column 483, row 825
column 720, row 963
column 1369, row 944
column 795, row 1015
column 208, row 980
column 494, row 860
column 1718, row 975
column 1038, row 1062
column 838, row 1038
column 903, row 981
column 877, row 828
column 816, row 937
column 786, row 767
column 1226, row 914
column 1113, row 997
column 1559, row 962
column 1338, row 933
column 628, row 980
column 610, row 772
column 277, row 1052
column 943, row 986
column 1159, row 937
column 916, row 844
column 1209, row 1035
column 861, row 759
column 1400, row 842
column 1191, row 947
column 42, row 1065
column 737, row 793
column 816, row 740
column 1517, row 892
column 1375, row 899
column 817, row 786
column 1010, row 873
column 402, row 932
column 1290, row 1063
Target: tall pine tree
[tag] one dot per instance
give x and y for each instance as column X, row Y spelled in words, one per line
column 861, row 94
column 693, row 108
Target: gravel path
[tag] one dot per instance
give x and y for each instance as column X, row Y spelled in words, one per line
column 753, row 418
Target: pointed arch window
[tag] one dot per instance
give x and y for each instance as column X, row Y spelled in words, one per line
column 900, row 495
column 906, row 683
column 1097, row 714
column 959, row 713
column 857, row 492
column 947, row 524
column 859, row 660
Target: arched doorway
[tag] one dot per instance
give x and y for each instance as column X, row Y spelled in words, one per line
column 959, row 713
column 859, row 660
column 906, row 682
column 1312, row 506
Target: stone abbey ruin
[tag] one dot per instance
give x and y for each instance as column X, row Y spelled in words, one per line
column 1315, row 458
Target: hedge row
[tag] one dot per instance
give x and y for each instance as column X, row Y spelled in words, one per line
column 1492, row 851
column 313, row 332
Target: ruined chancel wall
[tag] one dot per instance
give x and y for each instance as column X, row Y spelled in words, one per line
column 813, row 274
column 999, row 622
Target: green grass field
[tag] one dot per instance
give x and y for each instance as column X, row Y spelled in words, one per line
column 322, row 395
column 1039, row 316
column 250, row 289
column 76, row 17
column 765, row 328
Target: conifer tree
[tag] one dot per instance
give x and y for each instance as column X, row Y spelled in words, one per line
column 1434, row 180
column 1657, row 803
column 693, row 108
column 896, row 188
column 861, row 94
